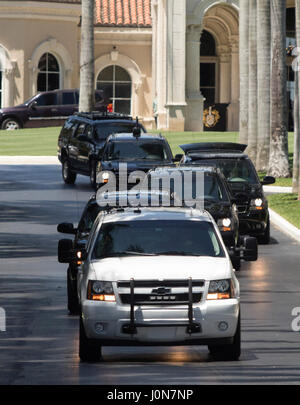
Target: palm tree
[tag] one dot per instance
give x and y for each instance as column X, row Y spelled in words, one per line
column 87, row 90
column 263, row 83
column 252, row 119
column 278, row 163
column 296, row 136
column 244, row 69
column 296, row 168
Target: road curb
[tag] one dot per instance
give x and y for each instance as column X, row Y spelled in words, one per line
column 277, row 189
column 284, row 225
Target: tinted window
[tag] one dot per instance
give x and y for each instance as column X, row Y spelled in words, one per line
column 104, row 130
column 238, row 170
column 68, row 98
column 214, row 190
column 136, row 150
column 157, row 237
column 88, row 218
column 47, row 99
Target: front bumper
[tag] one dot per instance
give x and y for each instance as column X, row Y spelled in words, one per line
column 161, row 324
column 253, row 223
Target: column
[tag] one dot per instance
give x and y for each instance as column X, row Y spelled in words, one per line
column 244, row 68
column 175, row 64
column 194, row 111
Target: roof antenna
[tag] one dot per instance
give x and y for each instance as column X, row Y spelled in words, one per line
column 136, row 129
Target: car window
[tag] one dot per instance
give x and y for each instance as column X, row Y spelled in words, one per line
column 214, row 190
column 68, row 98
column 238, row 170
column 196, row 238
column 136, row 149
column 89, row 132
column 46, row 99
column 98, row 97
column 106, row 129
column 80, row 130
column 88, row 217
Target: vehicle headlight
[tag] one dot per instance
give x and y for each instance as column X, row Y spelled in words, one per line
column 257, row 204
column 105, row 177
column 220, row 289
column 100, row 291
column 224, row 224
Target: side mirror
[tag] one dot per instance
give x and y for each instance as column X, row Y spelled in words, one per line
column 268, row 180
column 178, row 157
column 66, row 227
column 249, row 249
column 33, row 105
column 65, row 251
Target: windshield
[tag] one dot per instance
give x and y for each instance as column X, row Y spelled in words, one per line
column 155, row 237
column 106, row 129
column 136, row 149
column 237, row 170
column 189, row 183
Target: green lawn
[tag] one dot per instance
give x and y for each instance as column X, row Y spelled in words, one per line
column 287, row 206
column 29, row 142
column 43, row 142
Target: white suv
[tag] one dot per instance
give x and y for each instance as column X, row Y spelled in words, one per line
column 157, row 276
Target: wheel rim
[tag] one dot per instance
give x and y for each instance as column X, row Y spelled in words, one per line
column 11, row 126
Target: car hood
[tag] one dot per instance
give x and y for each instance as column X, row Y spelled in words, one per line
column 161, row 268
column 6, row 110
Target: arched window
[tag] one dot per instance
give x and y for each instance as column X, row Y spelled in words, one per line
column 208, row 67
column 49, row 73
column 116, row 84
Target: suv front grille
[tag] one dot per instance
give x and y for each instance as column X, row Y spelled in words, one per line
column 160, row 292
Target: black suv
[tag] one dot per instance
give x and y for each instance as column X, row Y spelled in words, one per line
column 82, row 139
column 48, row 108
column 140, row 152
column 243, row 180
column 218, row 200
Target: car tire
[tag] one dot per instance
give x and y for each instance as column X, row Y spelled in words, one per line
column 73, row 304
column 88, row 350
column 11, row 124
column 231, row 351
column 68, row 176
column 265, row 238
column 93, row 174
column 236, row 263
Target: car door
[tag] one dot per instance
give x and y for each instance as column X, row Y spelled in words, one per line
column 86, row 146
column 43, row 106
column 68, row 103
column 74, row 143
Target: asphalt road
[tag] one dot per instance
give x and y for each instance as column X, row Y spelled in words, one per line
column 40, row 344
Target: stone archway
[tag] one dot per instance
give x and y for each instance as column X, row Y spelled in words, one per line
column 221, row 21
column 115, row 58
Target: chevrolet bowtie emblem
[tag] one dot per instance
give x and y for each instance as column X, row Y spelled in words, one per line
column 161, row 291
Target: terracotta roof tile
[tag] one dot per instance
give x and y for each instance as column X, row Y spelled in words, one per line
column 123, row 13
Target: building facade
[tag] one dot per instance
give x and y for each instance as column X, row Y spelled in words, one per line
column 173, row 63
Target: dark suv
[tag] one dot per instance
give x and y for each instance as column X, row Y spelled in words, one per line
column 243, row 180
column 217, row 197
column 82, row 139
column 48, row 108
column 140, row 152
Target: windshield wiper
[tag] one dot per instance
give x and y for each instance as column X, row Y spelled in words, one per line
column 177, row 253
